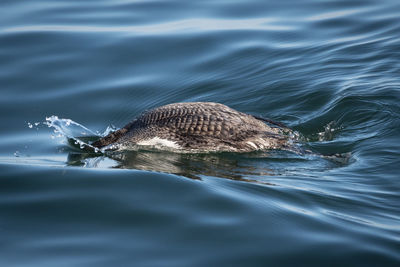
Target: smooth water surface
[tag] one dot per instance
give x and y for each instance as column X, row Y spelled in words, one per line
column 328, row 69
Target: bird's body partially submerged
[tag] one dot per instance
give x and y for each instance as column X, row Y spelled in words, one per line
column 197, row 127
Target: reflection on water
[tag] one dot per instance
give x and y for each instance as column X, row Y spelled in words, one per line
column 252, row 167
column 188, row 165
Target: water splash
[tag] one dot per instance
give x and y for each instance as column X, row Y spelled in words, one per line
column 34, row 124
column 68, row 127
column 329, row 132
column 111, row 128
column 326, row 134
column 76, row 134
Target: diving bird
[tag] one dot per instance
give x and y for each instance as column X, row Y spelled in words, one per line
column 194, row 127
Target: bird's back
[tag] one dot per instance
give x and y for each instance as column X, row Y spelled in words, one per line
column 197, row 126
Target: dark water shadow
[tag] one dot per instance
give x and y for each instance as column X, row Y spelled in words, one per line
column 189, row 165
column 249, row 167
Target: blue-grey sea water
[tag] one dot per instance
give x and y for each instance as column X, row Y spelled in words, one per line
column 329, row 69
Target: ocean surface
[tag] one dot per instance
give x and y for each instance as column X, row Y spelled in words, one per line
column 330, row 70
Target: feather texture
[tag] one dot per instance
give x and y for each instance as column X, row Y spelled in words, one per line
column 199, row 126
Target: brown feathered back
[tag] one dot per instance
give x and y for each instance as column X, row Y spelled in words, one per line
column 196, row 125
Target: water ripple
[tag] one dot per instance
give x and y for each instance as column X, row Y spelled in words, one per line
column 329, row 69
column 172, row 27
